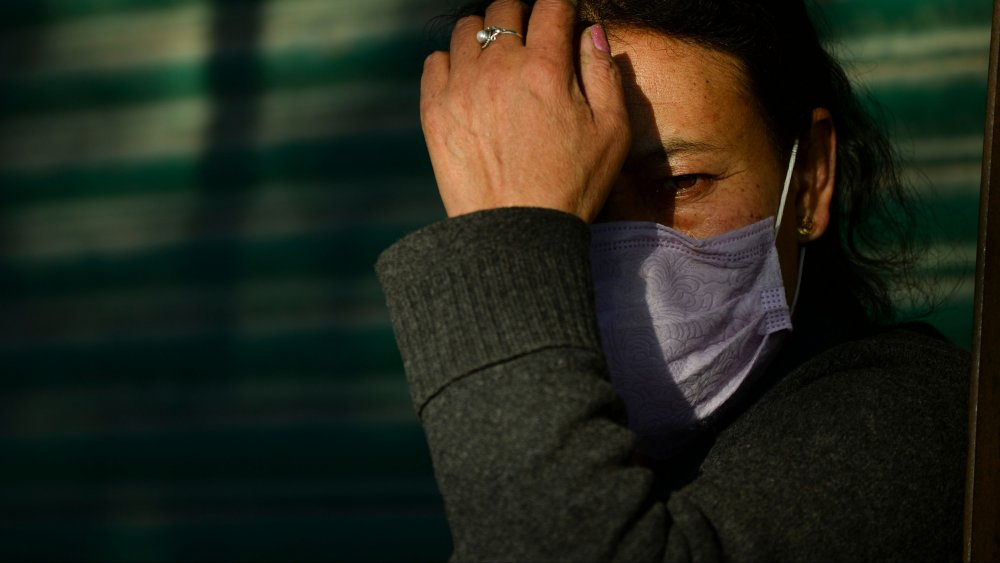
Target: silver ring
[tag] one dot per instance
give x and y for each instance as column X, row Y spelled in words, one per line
column 486, row 36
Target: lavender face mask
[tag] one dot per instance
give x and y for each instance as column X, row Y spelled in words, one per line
column 685, row 322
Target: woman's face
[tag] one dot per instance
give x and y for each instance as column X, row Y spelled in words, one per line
column 701, row 160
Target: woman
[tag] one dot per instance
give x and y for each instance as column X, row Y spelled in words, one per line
column 599, row 339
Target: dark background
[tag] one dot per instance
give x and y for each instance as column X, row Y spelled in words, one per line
column 195, row 359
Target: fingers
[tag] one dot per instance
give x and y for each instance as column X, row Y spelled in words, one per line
column 550, row 27
column 599, row 76
column 508, row 14
column 464, row 47
column 435, row 76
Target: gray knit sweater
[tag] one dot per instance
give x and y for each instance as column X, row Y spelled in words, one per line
column 854, row 454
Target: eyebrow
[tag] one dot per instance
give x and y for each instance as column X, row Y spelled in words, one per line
column 659, row 151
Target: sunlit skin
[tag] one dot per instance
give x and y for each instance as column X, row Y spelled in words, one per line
column 701, row 160
column 658, row 130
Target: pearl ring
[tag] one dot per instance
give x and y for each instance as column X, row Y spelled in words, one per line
column 486, row 36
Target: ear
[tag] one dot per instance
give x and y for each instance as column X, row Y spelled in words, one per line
column 816, row 177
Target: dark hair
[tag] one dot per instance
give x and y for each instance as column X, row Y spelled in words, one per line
column 871, row 243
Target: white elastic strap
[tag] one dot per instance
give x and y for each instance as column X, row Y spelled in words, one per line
column 784, row 191
column 777, row 224
column 798, row 280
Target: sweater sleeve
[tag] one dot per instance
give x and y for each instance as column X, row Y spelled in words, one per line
column 494, row 317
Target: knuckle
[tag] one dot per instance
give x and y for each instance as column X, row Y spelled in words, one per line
column 426, row 103
column 430, row 109
column 430, row 117
column 620, row 127
column 429, row 103
column 540, row 72
column 429, row 112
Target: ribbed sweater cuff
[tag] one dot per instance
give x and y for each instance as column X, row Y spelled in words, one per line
column 482, row 288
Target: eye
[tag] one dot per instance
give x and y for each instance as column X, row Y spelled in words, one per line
column 682, row 182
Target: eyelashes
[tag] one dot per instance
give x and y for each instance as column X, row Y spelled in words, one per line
column 682, row 182
column 665, row 191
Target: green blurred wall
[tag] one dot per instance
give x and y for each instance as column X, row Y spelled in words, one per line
column 196, row 362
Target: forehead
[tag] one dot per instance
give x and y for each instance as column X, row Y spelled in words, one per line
column 675, row 88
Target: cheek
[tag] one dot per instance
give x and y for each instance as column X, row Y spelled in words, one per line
column 733, row 204
column 760, row 202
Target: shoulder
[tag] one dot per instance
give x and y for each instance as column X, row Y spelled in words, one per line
column 862, row 447
column 910, row 366
column 906, row 377
column 913, row 351
column 897, row 390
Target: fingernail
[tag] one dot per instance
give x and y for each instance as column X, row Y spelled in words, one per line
column 599, row 38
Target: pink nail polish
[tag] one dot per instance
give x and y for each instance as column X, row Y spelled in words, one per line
column 599, row 38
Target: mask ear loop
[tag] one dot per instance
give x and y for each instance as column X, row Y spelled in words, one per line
column 798, row 280
column 784, row 190
column 777, row 224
